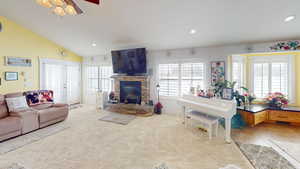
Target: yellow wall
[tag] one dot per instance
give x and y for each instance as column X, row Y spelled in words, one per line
column 18, row 41
column 297, row 70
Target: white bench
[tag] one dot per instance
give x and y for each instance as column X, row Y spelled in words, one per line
column 207, row 121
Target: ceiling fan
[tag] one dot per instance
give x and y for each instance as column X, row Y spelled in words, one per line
column 63, row 7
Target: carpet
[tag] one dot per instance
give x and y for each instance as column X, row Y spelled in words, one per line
column 292, row 149
column 162, row 166
column 18, row 142
column 13, row 166
column 118, row 118
column 263, row 157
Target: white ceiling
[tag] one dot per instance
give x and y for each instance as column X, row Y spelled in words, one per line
column 159, row 24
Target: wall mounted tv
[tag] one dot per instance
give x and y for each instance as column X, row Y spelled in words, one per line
column 130, row 61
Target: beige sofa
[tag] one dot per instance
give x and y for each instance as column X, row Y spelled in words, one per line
column 10, row 126
column 13, row 124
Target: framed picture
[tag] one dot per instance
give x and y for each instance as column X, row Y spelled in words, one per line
column 11, row 76
column 227, row 94
column 17, row 61
column 217, row 72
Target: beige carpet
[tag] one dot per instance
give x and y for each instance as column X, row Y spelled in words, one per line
column 142, row 144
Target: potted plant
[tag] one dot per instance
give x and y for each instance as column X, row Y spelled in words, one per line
column 276, row 100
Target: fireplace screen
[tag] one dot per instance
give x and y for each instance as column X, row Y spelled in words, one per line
column 130, row 92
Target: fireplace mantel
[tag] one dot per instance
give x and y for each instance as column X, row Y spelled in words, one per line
column 143, row 79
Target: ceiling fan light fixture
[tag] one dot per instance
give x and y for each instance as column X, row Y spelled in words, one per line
column 44, row 3
column 70, row 10
column 58, row 2
column 59, row 11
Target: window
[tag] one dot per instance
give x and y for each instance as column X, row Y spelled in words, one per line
column 238, row 75
column 99, row 78
column 273, row 74
column 168, row 79
column 192, row 75
column 176, row 79
column 92, row 76
column 261, row 79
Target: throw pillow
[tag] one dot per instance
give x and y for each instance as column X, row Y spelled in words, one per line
column 32, row 98
column 16, row 103
column 46, row 96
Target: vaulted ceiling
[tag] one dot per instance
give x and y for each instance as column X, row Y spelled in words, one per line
column 159, row 24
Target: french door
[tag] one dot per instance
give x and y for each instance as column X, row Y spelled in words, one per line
column 63, row 78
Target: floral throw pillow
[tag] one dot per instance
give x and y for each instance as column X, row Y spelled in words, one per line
column 39, row 97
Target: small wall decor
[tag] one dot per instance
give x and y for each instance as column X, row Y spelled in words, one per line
column 17, row 61
column 217, row 72
column 286, row 45
column 11, row 76
column 227, row 93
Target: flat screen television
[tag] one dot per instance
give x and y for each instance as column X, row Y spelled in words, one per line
column 130, row 61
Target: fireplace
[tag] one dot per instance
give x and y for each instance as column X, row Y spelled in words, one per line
column 130, row 92
column 143, row 90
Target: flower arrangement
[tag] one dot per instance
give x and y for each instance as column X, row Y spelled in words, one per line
column 277, row 100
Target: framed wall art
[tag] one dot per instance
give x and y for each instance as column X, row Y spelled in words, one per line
column 217, row 72
column 18, row 61
column 11, row 76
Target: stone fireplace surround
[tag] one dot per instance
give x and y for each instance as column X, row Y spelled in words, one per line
column 143, row 79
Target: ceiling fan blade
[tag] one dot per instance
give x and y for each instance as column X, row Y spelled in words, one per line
column 77, row 9
column 94, row 1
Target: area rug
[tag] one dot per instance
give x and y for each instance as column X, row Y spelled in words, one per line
column 18, row 142
column 162, row 166
column 292, row 149
column 118, row 118
column 263, row 157
column 13, row 166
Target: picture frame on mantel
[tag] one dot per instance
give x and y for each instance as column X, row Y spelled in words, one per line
column 18, row 61
column 217, row 72
column 11, row 76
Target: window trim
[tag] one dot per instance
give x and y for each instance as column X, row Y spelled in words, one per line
column 180, row 76
column 289, row 59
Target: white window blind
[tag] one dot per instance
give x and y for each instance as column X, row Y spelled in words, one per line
column 105, row 78
column 192, row 75
column 98, row 78
column 279, row 78
column 238, row 75
column 169, row 79
column 92, row 78
column 261, row 79
column 177, row 79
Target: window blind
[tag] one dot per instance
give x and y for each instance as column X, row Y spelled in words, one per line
column 169, row 79
column 192, row 75
column 238, row 75
column 261, row 79
column 279, row 78
column 99, row 78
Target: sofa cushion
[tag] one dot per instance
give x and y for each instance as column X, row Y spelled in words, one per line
column 12, row 95
column 42, row 106
column 52, row 113
column 16, row 103
column 3, row 108
column 10, row 124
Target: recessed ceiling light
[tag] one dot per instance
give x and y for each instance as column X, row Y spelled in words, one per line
column 193, row 31
column 289, row 18
column 94, row 44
